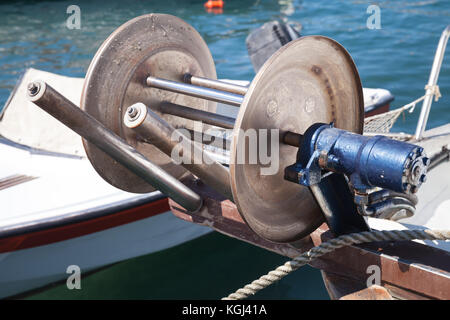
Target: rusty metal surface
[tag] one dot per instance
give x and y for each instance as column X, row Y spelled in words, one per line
column 310, row 80
column 409, row 270
column 426, row 274
column 339, row 286
column 344, row 288
column 221, row 214
column 371, row 293
column 159, row 45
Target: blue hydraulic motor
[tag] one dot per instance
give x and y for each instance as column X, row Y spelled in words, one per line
column 399, row 168
column 368, row 162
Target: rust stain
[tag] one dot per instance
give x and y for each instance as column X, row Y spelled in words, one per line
column 318, row 71
column 372, row 293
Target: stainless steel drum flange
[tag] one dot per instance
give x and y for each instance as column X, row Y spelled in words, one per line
column 310, row 80
column 156, row 45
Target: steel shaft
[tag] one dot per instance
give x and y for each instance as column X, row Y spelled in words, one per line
column 204, row 91
column 93, row 131
column 289, row 138
column 197, row 115
column 215, row 84
column 162, row 135
column 196, row 91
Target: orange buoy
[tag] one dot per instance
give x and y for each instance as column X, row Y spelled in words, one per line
column 210, row 4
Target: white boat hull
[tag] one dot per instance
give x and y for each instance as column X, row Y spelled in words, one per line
column 32, row 268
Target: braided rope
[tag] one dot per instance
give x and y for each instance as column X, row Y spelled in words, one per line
column 435, row 91
column 331, row 245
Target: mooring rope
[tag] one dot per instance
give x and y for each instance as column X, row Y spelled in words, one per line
column 331, row 245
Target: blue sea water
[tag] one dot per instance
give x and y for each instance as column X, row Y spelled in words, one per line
column 396, row 57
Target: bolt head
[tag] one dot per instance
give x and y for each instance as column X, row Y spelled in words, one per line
column 133, row 113
column 33, row 88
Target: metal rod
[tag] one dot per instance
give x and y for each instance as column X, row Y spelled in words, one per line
column 289, row 138
column 165, row 137
column 197, row 115
column 292, row 139
column 432, row 81
column 195, row 91
column 93, row 131
column 215, row 84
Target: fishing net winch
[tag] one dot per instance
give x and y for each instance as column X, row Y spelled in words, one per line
column 154, row 79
